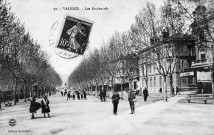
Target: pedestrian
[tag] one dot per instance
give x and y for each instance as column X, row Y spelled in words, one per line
column 78, row 95
column 34, row 106
column 65, row 93
column 173, row 91
column 177, row 91
column 45, row 106
column 115, row 100
column 81, row 95
column 145, row 94
column 73, row 96
column 132, row 100
column 101, row 96
column 84, row 93
column 62, row 93
column 68, row 95
column 104, row 96
column 160, row 90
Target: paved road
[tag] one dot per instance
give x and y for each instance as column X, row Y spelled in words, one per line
column 87, row 117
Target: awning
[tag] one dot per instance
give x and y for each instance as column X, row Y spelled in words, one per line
column 186, row 74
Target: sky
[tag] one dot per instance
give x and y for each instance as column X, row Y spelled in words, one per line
column 38, row 16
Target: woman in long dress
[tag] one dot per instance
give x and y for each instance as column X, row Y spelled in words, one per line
column 34, row 106
column 45, row 106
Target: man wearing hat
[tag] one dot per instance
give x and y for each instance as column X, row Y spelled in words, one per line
column 115, row 100
column 131, row 98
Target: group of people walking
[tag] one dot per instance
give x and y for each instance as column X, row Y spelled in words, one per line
column 131, row 98
column 44, row 104
column 79, row 95
column 173, row 91
column 35, row 106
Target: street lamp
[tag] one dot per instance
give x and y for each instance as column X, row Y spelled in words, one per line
column 130, row 77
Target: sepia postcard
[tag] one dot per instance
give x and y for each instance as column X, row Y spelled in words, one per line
column 106, row 67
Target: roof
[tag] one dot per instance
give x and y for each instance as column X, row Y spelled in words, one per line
column 184, row 38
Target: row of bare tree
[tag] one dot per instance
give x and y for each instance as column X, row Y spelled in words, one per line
column 156, row 37
column 21, row 59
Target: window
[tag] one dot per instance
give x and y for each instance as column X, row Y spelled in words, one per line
column 183, row 80
column 160, row 81
column 191, row 80
column 203, row 56
column 154, row 81
column 150, row 81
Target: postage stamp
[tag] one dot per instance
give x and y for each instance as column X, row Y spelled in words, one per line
column 70, row 38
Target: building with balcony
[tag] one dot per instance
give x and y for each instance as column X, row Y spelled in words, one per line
column 202, row 29
column 127, row 73
column 181, row 76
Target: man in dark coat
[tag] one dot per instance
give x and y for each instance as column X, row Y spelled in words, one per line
column 160, row 90
column 34, row 106
column 69, row 95
column 45, row 106
column 78, row 95
column 101, row 96
column 73, row 96
column 81, row 94
column 131, row 98
column 115, row 100
column 65, row 93
column 104, row 96
column 177, row 91
column 84, row 93
column 173, row 91
column 145, row 94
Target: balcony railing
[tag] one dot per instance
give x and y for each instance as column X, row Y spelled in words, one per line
column 200, row 61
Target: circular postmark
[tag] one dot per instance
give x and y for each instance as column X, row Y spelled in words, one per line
column 12, row 122
column 70, row 38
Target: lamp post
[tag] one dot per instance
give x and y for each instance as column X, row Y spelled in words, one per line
column 123, row 78
column 130, row 77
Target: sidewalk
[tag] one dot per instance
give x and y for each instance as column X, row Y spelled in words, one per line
column 124, row 123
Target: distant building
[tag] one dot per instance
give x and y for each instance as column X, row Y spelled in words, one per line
column 181, row 76
column 202, row 29
column 128, row 73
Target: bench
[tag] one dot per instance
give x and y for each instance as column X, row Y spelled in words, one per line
column 7, row 103
column 199, row 97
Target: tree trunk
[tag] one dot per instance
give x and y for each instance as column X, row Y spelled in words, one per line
column 1, row 99
column 130, row 84
column 171, row 87
column 25, row 90
column 112, row 85
column 212, row 80
column 122, row 89
column 31, row 91
column 147, row 87
column 165, row 88
column 37, row 90
column 96, row 93
column 15, row 91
